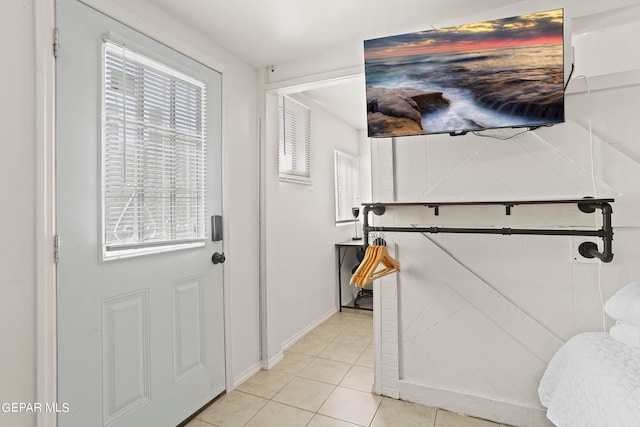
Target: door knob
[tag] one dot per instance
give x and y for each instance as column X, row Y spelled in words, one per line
column 218, row 258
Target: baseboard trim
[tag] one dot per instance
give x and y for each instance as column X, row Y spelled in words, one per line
column 245, row 375
column 291, row 341
column 276, row 358
column 273, row 361
column 475, row 406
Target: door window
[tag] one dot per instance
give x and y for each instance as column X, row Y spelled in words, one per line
column 153, row 161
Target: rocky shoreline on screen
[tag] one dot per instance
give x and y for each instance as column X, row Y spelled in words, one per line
column 399, row 111
column 525, row 94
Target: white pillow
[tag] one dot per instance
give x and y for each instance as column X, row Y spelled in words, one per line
column 626, row 333
column 624, row 305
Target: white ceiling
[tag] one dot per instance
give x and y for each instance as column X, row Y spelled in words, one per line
column 272, row 32
column 346, row 100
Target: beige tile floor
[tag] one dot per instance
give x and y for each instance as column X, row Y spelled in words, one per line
column 324, row 380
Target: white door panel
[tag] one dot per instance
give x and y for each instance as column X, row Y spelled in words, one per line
column 140, row 339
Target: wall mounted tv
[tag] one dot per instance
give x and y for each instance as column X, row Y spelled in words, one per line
column 486, row 75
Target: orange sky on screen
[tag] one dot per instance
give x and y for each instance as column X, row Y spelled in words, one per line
column 460, row 46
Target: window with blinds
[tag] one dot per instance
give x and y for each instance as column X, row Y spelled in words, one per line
column 347, row 185
column 153, row 165
column 294, row 135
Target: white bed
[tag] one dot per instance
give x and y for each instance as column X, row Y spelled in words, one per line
column 593, row 380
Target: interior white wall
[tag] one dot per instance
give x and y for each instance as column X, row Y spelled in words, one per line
column 301, row 231
column 17, row 212
column 480, row 316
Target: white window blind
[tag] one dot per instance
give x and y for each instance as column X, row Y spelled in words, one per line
column 347, row 185
column 294, row 135
column 154, row 141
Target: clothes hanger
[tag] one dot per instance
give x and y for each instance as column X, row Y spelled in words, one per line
column 369, row 256
column 372, row 263
column 391, row 265
column 366, row 272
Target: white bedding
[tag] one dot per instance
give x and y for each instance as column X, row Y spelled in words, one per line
column 593, row 380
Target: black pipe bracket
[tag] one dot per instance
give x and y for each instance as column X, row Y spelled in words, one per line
column 586, row 205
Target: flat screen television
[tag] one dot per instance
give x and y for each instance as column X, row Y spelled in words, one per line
column 486, row 75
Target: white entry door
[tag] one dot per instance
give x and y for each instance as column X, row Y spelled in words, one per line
column 140, row 303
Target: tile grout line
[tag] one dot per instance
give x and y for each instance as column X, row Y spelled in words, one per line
column 335, row 386
column 375, row 413
column 344, row 328
column 297, row 375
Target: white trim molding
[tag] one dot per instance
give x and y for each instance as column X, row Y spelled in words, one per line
column 270, row 362
column 245, row 375
column 310, row 327
column 477, row 406
column 45, row 215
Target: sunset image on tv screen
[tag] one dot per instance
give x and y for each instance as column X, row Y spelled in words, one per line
column 486, row 75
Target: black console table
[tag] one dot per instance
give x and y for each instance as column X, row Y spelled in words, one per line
column 341, row 252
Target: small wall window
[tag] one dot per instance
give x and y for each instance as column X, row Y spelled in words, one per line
column 153, row 161
column 347, row 185
column 294, row 136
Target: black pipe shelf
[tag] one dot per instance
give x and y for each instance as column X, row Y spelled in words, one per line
column 585, row 205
